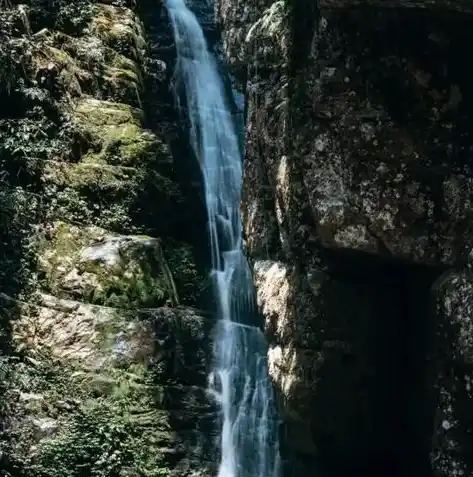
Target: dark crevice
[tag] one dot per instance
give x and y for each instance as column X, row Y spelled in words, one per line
column 375, row 399
column 163, row 118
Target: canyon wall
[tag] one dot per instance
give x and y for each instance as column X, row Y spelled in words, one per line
column 358, row 222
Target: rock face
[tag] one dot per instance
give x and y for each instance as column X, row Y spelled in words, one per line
column 103, row 353
column 357, row 199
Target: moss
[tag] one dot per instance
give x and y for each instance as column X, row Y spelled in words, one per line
column 113, row 184
column 109, row 196
column 90, row 193
column 118, row 27
column 115, row 135
column 105, row 113
column 91, row 177
column 90, row 264
column 86, row 66
column 49, row 61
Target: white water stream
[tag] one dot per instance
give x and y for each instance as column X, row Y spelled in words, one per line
column 249, row 443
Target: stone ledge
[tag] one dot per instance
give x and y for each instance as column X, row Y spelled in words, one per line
column 98, row 336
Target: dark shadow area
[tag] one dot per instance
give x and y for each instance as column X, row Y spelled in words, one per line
column 183, row 353
column 187, row 219
column 371, row 380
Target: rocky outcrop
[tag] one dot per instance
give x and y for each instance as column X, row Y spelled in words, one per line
column 103, row 352
column 357, row 199
column 106, row 389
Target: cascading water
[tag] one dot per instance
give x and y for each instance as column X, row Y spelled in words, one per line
column 249, row 443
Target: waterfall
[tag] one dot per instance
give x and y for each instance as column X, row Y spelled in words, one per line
column 248, row 439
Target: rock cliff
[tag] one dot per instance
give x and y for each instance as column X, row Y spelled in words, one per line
column 358, row 222
column 103, row 352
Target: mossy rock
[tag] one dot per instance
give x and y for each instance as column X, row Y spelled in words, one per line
column 116, row 137
column 89, row 264
column 110, row 196
column 119, row 28
column 53, row 64
column 99, row 405
column 79, row 403
column 86, row 65
column 91, row 193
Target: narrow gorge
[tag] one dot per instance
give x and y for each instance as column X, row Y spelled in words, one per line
column 236, row 238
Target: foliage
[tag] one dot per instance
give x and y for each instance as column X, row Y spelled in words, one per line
column 101, row 440
column 69, row 16
column 18, row 211
column 102, row 430
column 14, row 60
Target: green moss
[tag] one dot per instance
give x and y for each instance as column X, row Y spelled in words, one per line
column 52, row 60
column 107, row 113
column 88, row 263
column 87, row 66
column 116, row 137
column 118, row 27
column 117, row 178
column 91, row 177
column 110, row 196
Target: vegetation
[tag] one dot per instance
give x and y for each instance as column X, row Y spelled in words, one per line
column 79, row 372
column 102, row 425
